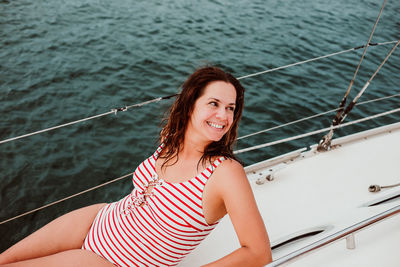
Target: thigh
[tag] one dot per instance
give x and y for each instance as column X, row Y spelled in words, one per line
column 69, row 231
column 64, row 233
column 69, row 258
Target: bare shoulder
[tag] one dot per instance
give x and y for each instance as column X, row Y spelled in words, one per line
column 230, row 171
column 229, row 166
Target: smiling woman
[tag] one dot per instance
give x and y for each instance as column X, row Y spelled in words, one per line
column 182, row 109
column 167, row 214
column 213, row 112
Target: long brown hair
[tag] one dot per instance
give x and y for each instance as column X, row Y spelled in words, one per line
column 173, row 133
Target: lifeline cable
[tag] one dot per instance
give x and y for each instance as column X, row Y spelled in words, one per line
column 314, row 116
column 313, row 59
column 115, row 110
column 166, row 97
column 236, row 152
column 316, row 132
column 66, row 198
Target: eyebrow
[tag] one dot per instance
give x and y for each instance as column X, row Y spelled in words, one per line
column 216, row 99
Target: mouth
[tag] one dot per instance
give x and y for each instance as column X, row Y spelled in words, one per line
column 216, row 125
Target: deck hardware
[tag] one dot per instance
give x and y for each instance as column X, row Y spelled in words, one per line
column 115, row 110
column 350, row 241
column 260, row 181
column 376, row 188
column 269, row 177
column 335, row 236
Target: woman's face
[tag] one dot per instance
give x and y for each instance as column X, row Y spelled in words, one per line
column 212, row 115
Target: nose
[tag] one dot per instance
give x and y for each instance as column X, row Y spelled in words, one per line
column 221, row 113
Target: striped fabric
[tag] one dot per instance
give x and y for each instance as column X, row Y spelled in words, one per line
column 158, row 224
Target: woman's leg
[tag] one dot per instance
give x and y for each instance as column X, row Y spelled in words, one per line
column 64, row 233
column 69, row 258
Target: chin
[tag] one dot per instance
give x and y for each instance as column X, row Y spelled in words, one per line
column 215, row 138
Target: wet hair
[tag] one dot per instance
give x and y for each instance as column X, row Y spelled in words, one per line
column 173, row 132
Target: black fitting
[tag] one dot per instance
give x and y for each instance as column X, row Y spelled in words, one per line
column 363, row 46
column 122, row 109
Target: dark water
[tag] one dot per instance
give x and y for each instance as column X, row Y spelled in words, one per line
column 66, row 60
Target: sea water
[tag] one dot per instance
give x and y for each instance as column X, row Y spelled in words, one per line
column 62, row 61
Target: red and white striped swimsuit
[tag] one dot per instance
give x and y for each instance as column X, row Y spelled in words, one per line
column 152, row 227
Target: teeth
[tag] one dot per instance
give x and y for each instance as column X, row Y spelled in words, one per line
column 215, row 125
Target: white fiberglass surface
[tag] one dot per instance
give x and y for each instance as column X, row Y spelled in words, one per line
column 327, row 191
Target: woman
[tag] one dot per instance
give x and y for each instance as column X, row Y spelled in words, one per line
column 168, row 213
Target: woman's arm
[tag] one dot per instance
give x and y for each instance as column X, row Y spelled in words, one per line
column 233, row 187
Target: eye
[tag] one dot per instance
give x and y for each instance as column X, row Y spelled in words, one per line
column 231, row 108
column 213, row 103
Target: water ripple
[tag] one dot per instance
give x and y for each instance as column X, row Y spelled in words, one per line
column 65, row 60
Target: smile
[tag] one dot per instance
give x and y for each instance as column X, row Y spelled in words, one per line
column 214, row 125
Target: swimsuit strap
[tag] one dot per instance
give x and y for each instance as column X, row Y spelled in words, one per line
column 158, row 151
column 206, row 173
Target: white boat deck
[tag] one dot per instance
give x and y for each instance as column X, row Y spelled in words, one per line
column 324, row 193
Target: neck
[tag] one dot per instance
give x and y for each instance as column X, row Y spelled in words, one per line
column 193, row 147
